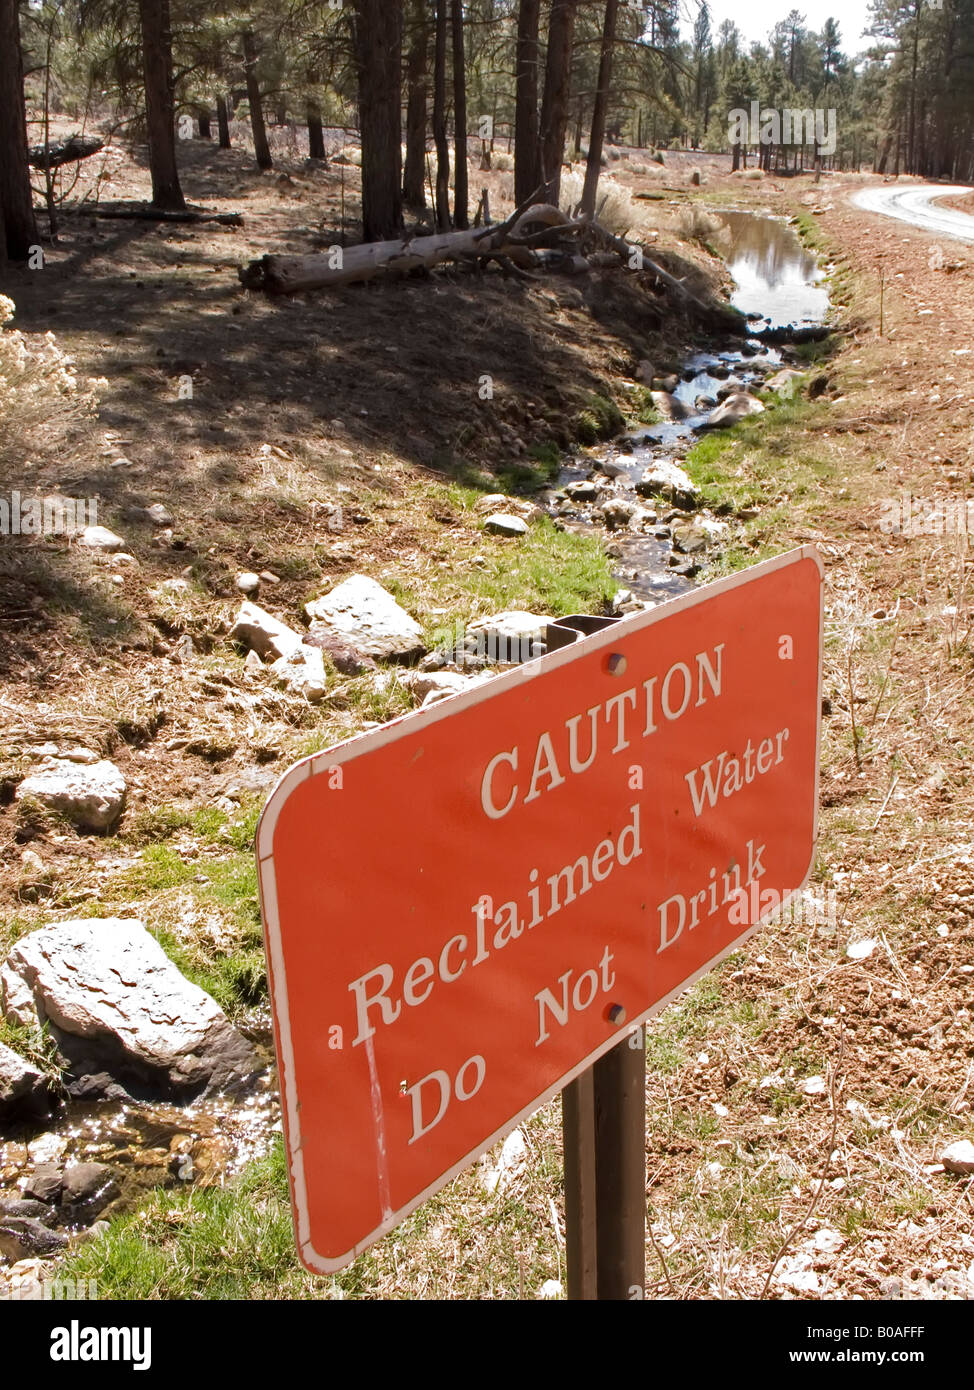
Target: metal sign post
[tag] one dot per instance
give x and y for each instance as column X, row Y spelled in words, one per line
column 603, row 1130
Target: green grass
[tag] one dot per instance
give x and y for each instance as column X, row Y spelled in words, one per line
column 599, row 418
column 768, row 461
column 642, row 409
column 235, row 976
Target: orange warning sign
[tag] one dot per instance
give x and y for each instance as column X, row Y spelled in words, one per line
column 467, row 907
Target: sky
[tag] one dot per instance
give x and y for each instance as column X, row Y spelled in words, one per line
column 757, row 19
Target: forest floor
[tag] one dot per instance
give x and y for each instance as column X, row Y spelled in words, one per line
column 797, row 1092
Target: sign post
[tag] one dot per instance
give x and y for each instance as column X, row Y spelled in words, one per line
column 473, row 907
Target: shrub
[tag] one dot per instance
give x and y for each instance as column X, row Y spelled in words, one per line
column 38, row 384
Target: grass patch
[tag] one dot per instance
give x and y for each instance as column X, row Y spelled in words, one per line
column 598, row 419
column 237, row 1242
column 643, row 411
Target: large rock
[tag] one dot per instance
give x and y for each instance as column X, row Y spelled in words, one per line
column 90, row 796
column 23, row 1090
column 363, row 614
column 734, row 409
column 666, row 479
column 263, row 633
column 123, row 1017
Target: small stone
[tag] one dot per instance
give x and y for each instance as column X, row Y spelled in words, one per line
column 959, row 1157
column 264, row 634
column 247, row 582
column 302, row 672
column 32, row 862
column 667, row 479
column 618, row 512
column 797, row 1272
column 23, row 1236
column 734, row 409
column 689, row 540
column 502, row 524
column 582, row 491
column 159, row 515
column 344, row 659
column 252, row 662
column 551, row 1288
column 45, row 1183
column 814, row 1086
column 84, row 1181
column 79, row 755
column 100, row 538
column 269, row 577
column 861, row 949
column 23, row 1090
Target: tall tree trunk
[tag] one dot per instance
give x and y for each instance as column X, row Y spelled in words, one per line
column 911, row 137
column 461, row 195
column 223, row 122
column 593, row 168
column 316, row 136
column 378, row 61
column 206, row 128
column 527, row 164
column 17, row 223
column 262, row 150
column 160, row 104
column 557, row 88
column 414, row 172
column 442, row 195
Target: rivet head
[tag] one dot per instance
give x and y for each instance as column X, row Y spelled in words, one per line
column 616, row 664
column 617, row 1013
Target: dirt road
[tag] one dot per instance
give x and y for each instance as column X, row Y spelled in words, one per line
column 913, row 204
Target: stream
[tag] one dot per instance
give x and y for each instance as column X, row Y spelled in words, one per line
column 778, row 283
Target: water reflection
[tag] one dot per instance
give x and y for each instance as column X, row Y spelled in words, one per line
column 775, row 276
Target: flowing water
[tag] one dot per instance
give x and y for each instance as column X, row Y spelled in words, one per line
column 777, row 283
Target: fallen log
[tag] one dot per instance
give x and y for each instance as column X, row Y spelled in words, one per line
column 59, row 152
column 514, row 244
column 356, row 264
column 151, row 214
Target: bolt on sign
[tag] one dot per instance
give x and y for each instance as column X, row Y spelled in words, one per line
column 466, row 908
